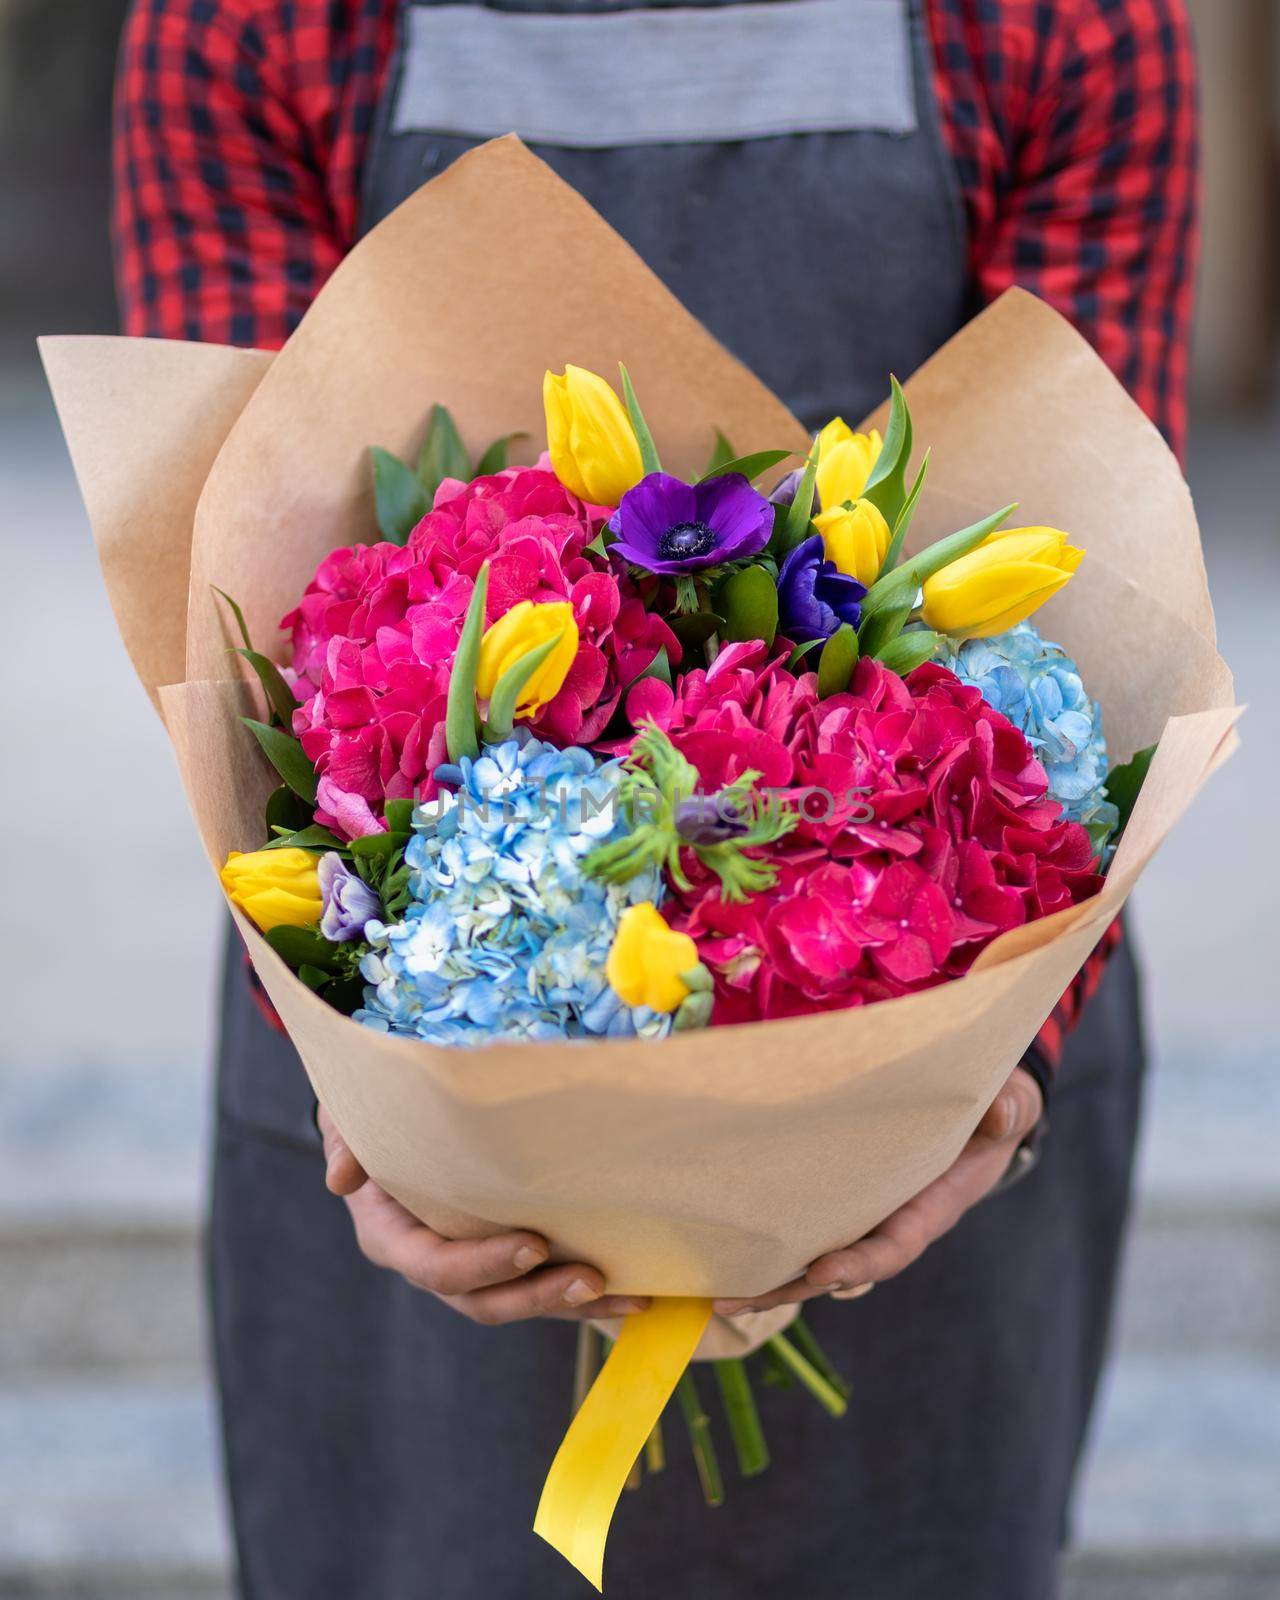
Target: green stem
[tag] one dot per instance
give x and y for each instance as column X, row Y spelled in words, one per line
column 743, row 1418
column 704, row 1449
column 827, row 1396
column 586, row 1364
column 655, row 1451
column 816, row 1356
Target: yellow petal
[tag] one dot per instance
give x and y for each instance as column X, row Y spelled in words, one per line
column 988, row 601
column 274, row 887
column 647, row 958
column 845, row 460
column 590, row 439
column 527, row 625
column 595, row 1459
column 1048, row 545
column 856, row 541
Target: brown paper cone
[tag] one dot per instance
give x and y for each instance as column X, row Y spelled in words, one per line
column 718, row 1163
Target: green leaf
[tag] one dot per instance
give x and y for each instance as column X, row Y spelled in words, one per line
column 659, row 667
column 748, row 601
column 460, row 709
column 894, row 553
column 443, row 454
column 879, row 630
column 399, row 815
column 313, row 837
column 277, row 690
column 1124, row 784
column 887, row 486
column 376, row 846
column 837, row 661
column 648, row 450
column 506, row 692
column 287, row 756
column 722, row 453
column 750, row 466
column 909, row 650
column 304, row 946
column 345, row 994
column 495, row 457
column 799, row 653
column 237, row 614
column 313, row 977
column 399, row 499
column 795, row 526
column 286, row 812
column 695, row 628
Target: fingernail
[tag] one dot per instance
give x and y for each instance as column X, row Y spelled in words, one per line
column 852, row 1291
column 579, row 1292
column 527, row 1257
column 626, row 1307
column 1006, row 1116
column 331, row 1166
column 733, row 1308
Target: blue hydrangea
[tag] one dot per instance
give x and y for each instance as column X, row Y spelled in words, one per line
column 505, row 937
column 1037, row 686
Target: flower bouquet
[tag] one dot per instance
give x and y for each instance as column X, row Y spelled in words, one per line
column 731, row 808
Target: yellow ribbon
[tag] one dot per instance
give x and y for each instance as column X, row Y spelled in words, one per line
column 610, row 1429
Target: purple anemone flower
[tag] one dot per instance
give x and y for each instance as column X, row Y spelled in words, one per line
column 813, row 597
column 664, row 525
column 347, row 899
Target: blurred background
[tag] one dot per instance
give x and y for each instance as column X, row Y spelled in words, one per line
column 108, row 1476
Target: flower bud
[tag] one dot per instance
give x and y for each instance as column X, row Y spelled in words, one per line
column 845, row 461
column 648, row 960
column 1000, row 583
column 523, row 628
column 856, row 541
column 590, row 439
column 275, row 888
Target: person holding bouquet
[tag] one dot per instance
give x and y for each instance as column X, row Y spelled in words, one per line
column 833, row 186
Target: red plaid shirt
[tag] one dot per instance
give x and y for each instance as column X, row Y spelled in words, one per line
column 241, row 128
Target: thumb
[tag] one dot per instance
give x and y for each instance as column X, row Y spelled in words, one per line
column 1014, row 1111
column 343, row 1174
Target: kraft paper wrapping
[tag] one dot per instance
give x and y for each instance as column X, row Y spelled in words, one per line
column 715, row 1163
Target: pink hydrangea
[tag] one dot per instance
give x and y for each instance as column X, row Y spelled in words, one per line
column 926, row 831
column 376, row 631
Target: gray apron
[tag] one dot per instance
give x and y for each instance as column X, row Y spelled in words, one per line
column 781, row 166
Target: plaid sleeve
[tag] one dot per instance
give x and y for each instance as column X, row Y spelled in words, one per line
column 240, row 126
column 1074, row 129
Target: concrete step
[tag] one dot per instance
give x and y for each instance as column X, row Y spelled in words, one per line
column 116, row 1482
column 1088, row 1578
column 119, row 1298
column 108, row 1301
column 1185, row 1460
column 114, row 1479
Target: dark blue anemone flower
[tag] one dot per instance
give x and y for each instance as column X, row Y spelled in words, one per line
column 813, row 597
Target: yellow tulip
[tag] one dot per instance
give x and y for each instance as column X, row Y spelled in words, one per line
column 856, row 540
column 845, row 460
column 276, row 888
column 647, row 959
column 1008, row 576
column 590, row 439
column 514, row 634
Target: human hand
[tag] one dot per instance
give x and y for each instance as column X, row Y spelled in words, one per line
column 492, row 1281
column 906, row 1234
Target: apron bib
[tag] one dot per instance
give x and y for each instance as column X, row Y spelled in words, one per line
column 780, row 165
